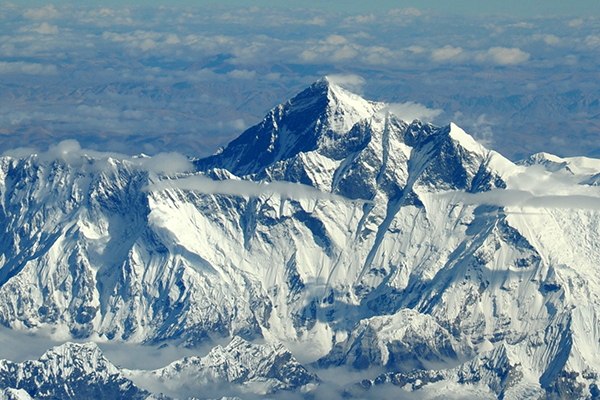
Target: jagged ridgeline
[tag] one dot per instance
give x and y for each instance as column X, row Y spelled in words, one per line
column 362, row 241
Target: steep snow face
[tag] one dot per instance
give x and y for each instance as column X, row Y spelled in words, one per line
column 70, row 371
column 65, row 228
column 85, row 250
column 404, row 341
column 415, row 261
column 240, row 366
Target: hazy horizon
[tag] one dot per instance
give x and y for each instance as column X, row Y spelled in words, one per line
column 527, row 8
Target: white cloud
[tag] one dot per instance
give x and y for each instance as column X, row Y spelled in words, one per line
column 361, row 19
column 503, row 56
column 46, row 12
column 237, row 125
column 144, row 40
column 551, row 40
column 344, row 53
column 336, row 40
column 524, row 25
column 410, row 11
column 334, row 48
column 523, row 199
column 147, row 44
column 308, row 55
column 71, row 152
column 416, row 49
column 164, row 163
column 410, row 111
column 47, row 29
column 22, row 67
column 19, row 152
column 483, row 132
column 575, row 22
column 98, row 112
column 446, row 53
column 238, row 187
column 378, row 55
column 351, row 82
column 536, row 187
column 172, row 39
column 317, row 21
column 242, row 74
column 114, row 37
column 592, row 40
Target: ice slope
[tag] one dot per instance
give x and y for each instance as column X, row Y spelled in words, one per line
column 421, row 261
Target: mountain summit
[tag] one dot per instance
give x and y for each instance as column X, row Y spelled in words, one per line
column 315, row 119
column 366, row 241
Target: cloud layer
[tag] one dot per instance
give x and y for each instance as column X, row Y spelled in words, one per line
column 410, row 111
column 132, row 79
column 538, row 187
column 238, row 187
column 71, row 153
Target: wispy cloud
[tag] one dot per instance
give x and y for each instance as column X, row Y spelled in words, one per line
column 447, row 53
column 239, row 187
column 27, row 68
column 410, row 111
column 352, row 82
column 47, row 29
column 47, row 12
column 526, row 199
column 537, row 187
column 503, row 56
column 71, row 153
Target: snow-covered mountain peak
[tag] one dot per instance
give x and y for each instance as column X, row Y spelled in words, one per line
column 549, row 161
column 14, row 394
column 345, row 108
column 314, row 119
column 247, row 367
column 66, row 372
column 434, row 264
column 465, row 139
column 86, row 355
column 584, row 166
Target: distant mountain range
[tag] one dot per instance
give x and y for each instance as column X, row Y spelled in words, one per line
column 399, row 250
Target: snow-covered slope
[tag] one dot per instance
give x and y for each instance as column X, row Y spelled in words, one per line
column 404, row 341
column 70, row 371
column 14, row 394
column 240, row 367
column 333, row 227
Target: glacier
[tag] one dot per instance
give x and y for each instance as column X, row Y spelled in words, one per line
column 360, row 242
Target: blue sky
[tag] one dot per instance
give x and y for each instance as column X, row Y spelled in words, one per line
column 461, row 7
